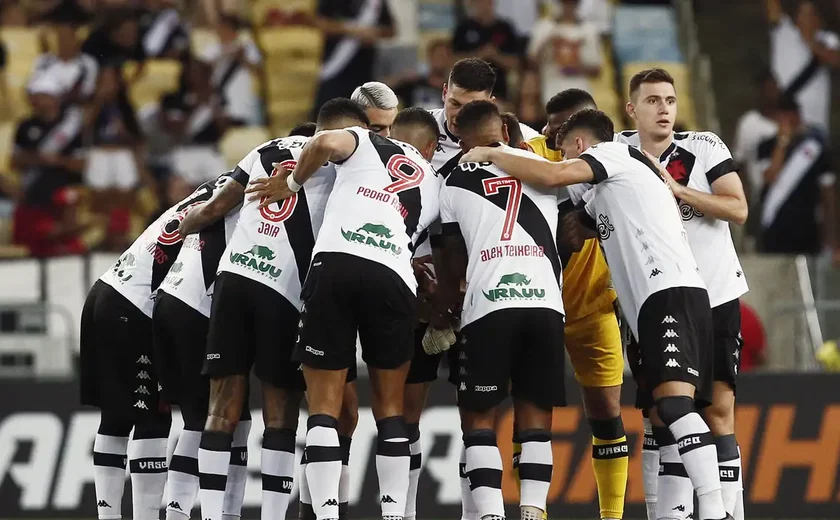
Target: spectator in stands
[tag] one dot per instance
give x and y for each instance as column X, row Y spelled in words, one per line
column 754, row 127
column 802, row 53
column 596, row 12
column 566, row 50
column 74, row 71
column 116, row 40
column 163, row 34
column 48, row 153
column 799, row 213
column 235, row 60
column 529, row 106
column 114, row 166
column 424, row 90
column 196, row 119
column 351, row 28
column 494, row 40
column 753, row 352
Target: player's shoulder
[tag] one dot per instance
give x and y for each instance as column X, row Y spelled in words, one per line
column 627, row 137
column 528, row 133
column 699, row 140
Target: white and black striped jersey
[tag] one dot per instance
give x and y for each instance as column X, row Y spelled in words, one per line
column 140, row 270
column 639, row 226
column 510, row 232
column 79, row 72
column 273, row 246
column 191, row 277
column 696, row 160
column 162, row 31
column 385, row 196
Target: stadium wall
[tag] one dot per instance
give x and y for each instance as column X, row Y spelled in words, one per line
column 788, row 428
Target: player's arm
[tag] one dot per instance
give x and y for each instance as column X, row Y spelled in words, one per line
column 228, row 194
column 532, row 169
column 451, row 269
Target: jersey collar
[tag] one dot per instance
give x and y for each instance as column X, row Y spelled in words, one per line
column 449, row 134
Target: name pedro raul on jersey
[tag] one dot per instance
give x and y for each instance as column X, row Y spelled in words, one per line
column 139, row 271
column 510, row 230
column 385, row 196
column 639, row 226
column 696, row 160
column 273, row 245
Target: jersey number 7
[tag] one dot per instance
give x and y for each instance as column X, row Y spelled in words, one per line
column 492, row 186
column 405, row 172
column 287, row 207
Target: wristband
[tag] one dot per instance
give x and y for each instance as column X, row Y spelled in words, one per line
column 290, row 182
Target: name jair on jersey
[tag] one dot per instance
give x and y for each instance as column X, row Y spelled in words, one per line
column 510, row 250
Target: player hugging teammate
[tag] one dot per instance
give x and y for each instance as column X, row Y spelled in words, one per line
column 428, row 235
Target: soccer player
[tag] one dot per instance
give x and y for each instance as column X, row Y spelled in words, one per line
column 701, row 173
column 117, row 374
column 180, row 319
column 501, row 234
column 659, row 287
column 593, row 338
column 255, row 313
column 380, row 104
column 362, row 280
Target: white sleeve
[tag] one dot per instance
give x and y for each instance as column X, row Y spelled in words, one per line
column 447, row 214
column 577, row 191
column 252, row 52
column 600, row 157
column 528, row 133
column 718, row 159
column 360, row 134
column 740, row 152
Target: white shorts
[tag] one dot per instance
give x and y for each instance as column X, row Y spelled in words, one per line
column 198, row 164
column 111, row 168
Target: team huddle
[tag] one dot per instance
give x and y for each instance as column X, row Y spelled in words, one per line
column 457, row 233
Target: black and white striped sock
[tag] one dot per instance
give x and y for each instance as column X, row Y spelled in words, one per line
column 729, row 467
column 393, row 460
column 305, row 512
column 278, row 466
column 414, row 470
column 699, row 456
column 674, row 492
column 484, row 470
column 535, row 466
column 213, row 464
column 650, row 469
column 323, row 465
column 110, row 450
column 237, row 476
column 182, row 481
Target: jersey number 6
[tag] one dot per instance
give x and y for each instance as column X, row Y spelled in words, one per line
column 287, row 207
column 492, row 186
column 405, row 172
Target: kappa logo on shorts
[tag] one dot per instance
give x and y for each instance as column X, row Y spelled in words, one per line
column 213, row 356
column 462, row 387
column 693, row 372
column 314, row 351
column 669, row 319
column 142, row 390
column 670, row 334
column 144, row 360
column 141, row 405
column 671, row 348
column 672, row 363
column 143, row 375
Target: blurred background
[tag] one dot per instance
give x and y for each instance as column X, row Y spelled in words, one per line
column 112, row 110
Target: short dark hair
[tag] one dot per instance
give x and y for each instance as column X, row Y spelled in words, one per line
column 306, row 129
column 569, row 99
column 473, row 74
column 787, row 103
column 514, row 132
column 590, row 119
column 341, row 108
column 649, row 76
column 474, row 113
column 420, row 117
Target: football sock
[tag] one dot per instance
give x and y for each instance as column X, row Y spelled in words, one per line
column 110, row 450
column 484, row 470
column 729, row 467
column 344, row 484
column 278, row 466
column 393, row 462
column 414, row 470
column 213, row 463
column 323, row 465
column 468, row 509
column 237, row 475
column 182, row 481
column 650, row 469
column 610, row 459
column 147, row 468
column 674, row 492
column 535, row 467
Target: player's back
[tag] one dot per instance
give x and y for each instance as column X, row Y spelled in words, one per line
column 510, row 232
column 385, row 196
column 273, row 245
column 639, row 226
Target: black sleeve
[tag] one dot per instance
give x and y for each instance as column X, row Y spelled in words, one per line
column 727, row 166
column 598, row 169
column 2, row 56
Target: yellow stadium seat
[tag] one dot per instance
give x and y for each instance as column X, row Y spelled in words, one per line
column 158, row 78
column 237, row 142
column 7, row 136
column 22, row 44
column 285, row 113
column 292, row 42
column 17, row 79
column 200, row 39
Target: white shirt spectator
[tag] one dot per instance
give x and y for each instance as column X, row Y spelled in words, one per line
column 800, row 73
column 79, row 71
column 232, row 78
column 753, row 128
column 563, row 51
column 597, row 12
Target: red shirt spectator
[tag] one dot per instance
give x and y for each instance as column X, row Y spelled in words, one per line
column 755, row 343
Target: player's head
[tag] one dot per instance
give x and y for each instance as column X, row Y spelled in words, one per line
column 380, row 103
column 341, row 113
column 481, row 124
column 582, row 130
column 471, row 79
column 306, row 129
column 560, row 107
column 418, row 128
column 515, row 137
column 653, row 103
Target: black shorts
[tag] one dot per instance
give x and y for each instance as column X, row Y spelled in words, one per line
column 180, row 347
column 726, row 318
column 511, row 348
column 675, row 343
column 424, row 367
column 345, row 294
column 116, row 370
column 252, row 325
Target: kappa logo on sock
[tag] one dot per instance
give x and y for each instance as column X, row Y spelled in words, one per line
column 174, row 505
column 386, row 499
column 102, row 503
column 331, row 502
